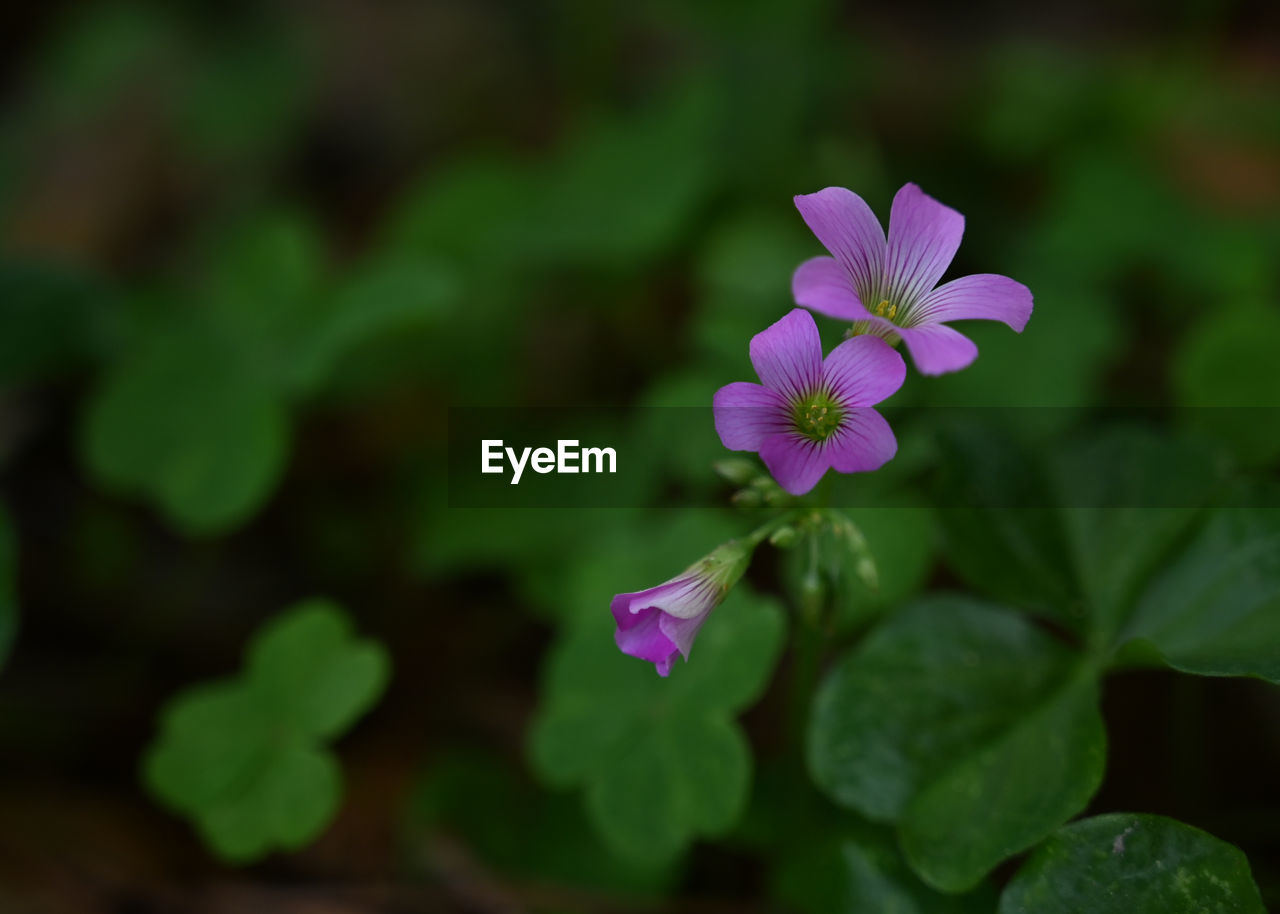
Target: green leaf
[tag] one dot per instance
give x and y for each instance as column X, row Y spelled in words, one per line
column 622, row 188
column 179, row 421
column 521, row 830
column 385, row 296
column 8, row 587
column 1127, row 496
column 1011, row 793
column 245, row 758
column 1223, row 370
column 1133, row 864
column 212, row 741
column 686, row 775
column 661, row 760
column 471, row 210
column 1215, row 609
column 265, row 290
column 866, row 874
column 309, row 670
column 934, row 685
column 1001, row 533
column 286, row 804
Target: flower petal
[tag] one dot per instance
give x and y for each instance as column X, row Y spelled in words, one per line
column 795, row 462
column 644, row 638
column 825, row 286
column 681, row 632
column 788, row 355
column 923, row 238
column 937, row 349
column 864, row 442
column 983, row 296
column 848, row 229
column 864, row 370
column 746, row 414
column 686, row 595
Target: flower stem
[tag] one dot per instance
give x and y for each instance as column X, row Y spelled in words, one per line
column 765, row 530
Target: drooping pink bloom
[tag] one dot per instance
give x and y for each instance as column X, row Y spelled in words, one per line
column 887, row 287
column 658, row 623
column 809, row 414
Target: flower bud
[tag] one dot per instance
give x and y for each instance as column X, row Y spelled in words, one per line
column 658, row 623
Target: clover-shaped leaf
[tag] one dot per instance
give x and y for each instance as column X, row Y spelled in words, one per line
column 193, row 415
column 8, row 588
column 1133, row 864
column 964, row 723
column 180, row 421
column 662, row 760
column 245, row 758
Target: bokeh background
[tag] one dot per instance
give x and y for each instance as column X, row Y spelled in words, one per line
column 254, row 253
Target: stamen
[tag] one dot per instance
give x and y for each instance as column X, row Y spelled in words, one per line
column 817, row 416
column 884, row 309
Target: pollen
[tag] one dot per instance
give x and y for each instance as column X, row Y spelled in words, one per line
column 884, row 309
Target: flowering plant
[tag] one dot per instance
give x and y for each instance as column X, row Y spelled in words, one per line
column 810, row 414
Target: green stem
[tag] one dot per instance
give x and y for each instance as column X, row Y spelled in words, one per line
column 807, row 643
column 765, row 530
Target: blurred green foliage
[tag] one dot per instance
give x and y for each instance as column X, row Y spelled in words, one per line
column 52, row 320
column 246, row 758
column 473, row 794
column 256, row 260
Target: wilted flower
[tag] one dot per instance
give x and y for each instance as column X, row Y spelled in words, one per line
column 811, row 414
column 658, row 623
column 887, row 287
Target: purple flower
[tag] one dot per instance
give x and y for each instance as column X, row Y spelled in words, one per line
column 658, row 623
column 811, row 414
column 887, row 287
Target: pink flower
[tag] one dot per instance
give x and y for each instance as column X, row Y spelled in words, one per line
column 658, row 623
column 887, row 287
column 811, row 414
